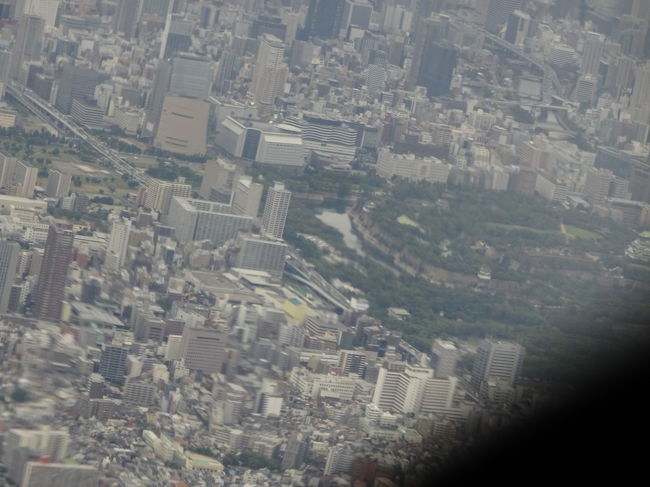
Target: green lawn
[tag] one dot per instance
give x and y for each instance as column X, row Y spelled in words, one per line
column 405, row 220
column 581, row 233
column 507, row 226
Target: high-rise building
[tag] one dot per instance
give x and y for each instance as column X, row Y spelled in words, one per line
column 183, row 126
column 356, row 13
column 444, row 356
column 160, row 193
column 586, row 88
column 58, row 183
column 324, row 18
column 191, row 76
column 376, row 78
column 40, row 474
column 76, row 82
column 517, row 28
column 497, row 359
column 246, row 197
column 202, row 349
column 641, row 91
column 353, row 362
column 9, row 256
column 17, row 177
column 157, row 96
column 204, row 220
column 261, row 254
column 177, row 36
column 5, row 68
column 294, row 454
column 592, row 53
column 139, row 392
column 597, row 185
column 219, row 174
column 437, row 68
column 438, row 395
column 118, row 244
column 43, row 442
column 275, row 210
column 29, row 43
column 126, row 18
column 339, row 460
column 50, row 291
column 48, row 9
column 112, row 365
column 270, row 71
column 400, row 386
column 498, row 12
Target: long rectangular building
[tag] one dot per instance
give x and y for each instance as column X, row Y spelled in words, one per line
column 205, row 220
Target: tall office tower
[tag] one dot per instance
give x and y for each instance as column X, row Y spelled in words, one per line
column 76, row 83
column 191, row 76
column 296, row 450
column 324, row 18
column 157, row 96
column 160, row 194
column 437, row 68
column 203, row 349
column 39, row 474
column 5, row 68
column 498, row 12
column 270, row 71
column 112, row 365
column 50, row 291
column 353, row 362
column 356, row 13
column 219, row 174
column 58, row 183
column 276, row 208
column 261, row 254
column 139, row 392
column 246, row 197
column 226, row 72
column 597, row 185
column 126, row 18
column 641, row 90
column 428, row 31
column 9, row 255
column 183, row 126
column 177, row 36
column 592, row 53
column 118, row 244
column 444, row 356
column 29, row 43
column 376, row 78
column 517, row 28
column 619, row 75
column 400, row 386
column 586, row 88
column 499, row 360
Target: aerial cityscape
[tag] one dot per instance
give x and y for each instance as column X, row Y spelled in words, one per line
column 310, row 242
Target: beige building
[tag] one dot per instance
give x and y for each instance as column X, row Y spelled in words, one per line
column 183, row 126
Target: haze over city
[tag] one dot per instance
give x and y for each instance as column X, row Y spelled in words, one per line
column 314, row 242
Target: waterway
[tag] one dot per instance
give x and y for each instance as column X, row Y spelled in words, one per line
column 341, row 222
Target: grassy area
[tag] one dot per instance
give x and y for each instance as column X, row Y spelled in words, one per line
column 405, row 220
column 581, row 233
column 507, row 226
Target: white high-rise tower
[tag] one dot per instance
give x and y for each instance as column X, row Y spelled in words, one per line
column 275, row 210
column 270, row 71
column 118, row 244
